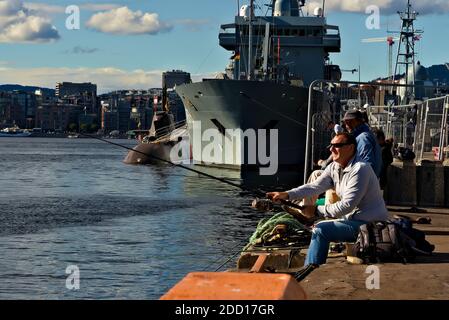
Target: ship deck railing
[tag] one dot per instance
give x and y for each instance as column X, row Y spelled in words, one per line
column 165, row 132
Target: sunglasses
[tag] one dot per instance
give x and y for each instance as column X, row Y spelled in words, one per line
column 338, row 145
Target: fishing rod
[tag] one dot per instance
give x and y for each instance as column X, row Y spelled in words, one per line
column 229, row 259
column 256, row 192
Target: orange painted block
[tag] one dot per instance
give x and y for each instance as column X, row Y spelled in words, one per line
column 236, row 286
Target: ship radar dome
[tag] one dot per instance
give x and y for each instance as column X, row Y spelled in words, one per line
column 245, row 11
column 318, row 12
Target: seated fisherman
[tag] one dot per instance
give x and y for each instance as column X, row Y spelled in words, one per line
column 360, row 201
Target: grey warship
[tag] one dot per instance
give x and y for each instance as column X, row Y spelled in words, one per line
column 265, row 86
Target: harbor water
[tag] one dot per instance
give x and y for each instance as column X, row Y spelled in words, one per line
column 132, row 231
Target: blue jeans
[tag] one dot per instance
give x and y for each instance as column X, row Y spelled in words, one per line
column 328, row 231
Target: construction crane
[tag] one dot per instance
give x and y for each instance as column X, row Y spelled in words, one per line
column 390, row 41
column 347, row 70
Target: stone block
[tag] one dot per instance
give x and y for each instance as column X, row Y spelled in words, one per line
column 401, row 184
column 430, row 181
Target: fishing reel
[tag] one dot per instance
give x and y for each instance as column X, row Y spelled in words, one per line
column 262, row 204
column 307, row 215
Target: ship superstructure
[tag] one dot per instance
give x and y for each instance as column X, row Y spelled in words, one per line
column 265, row 87
column 284, row 47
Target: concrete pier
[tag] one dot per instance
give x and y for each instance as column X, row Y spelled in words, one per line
column 427, row 278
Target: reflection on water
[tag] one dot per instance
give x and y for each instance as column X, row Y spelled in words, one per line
column 133, row 231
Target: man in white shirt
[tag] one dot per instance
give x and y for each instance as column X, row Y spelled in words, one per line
column 360, row 202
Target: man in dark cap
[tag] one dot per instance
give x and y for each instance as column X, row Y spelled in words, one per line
column 368, row 150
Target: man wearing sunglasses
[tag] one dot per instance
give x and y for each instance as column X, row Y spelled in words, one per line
column 360, row 202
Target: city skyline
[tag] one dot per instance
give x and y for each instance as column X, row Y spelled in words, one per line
column 76, row 106
column 156, row 36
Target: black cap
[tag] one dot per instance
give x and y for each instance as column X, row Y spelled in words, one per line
column 353, row 114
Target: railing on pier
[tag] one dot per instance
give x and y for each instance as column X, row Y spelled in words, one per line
column 431, row 134
column 420, row 125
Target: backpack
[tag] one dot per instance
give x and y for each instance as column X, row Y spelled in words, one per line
column 390, row 241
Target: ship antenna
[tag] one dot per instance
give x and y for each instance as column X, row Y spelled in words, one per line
column 408, row 36
column 250, row 41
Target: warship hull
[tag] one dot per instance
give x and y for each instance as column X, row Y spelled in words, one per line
column 258, row 105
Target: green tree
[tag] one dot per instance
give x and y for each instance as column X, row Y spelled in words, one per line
column 84, row 127
column 73, row 127
column 93, row 127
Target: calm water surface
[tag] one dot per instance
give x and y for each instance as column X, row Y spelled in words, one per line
column 133, row 231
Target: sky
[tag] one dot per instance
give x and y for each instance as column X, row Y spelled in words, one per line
column 128, row 44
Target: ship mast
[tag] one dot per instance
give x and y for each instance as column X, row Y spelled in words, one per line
column 250, row 41
column 408, row 36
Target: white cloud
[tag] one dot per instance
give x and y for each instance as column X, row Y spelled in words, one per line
column 9, row 7
column 386, row 6
column 48, row 9
column 81, row 50
column 44, row 8
column 99, row 6
column 192, row 24
column 125, row 21
column 19, row 25
column 200, row 77
column 107, row 79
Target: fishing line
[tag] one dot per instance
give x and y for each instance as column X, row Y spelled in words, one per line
column 174, row 164
column 205, row 59
column 230, row 258
column 256, row 192
column 272, row 110
column 221, row 256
